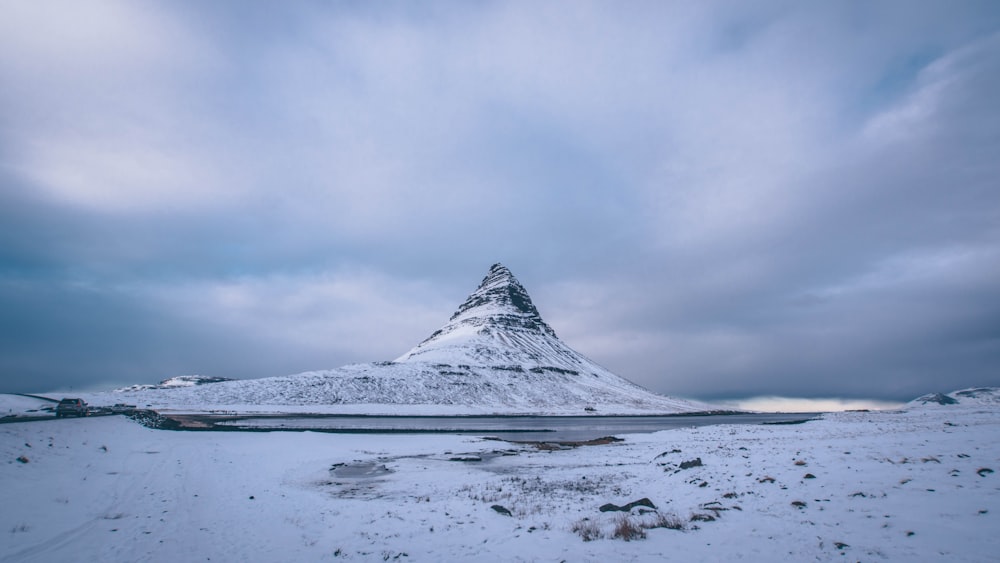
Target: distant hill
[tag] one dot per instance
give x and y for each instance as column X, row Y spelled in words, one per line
column 985, row 396
column 175, row 382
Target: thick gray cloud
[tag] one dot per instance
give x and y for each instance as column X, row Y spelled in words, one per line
column 713, row 200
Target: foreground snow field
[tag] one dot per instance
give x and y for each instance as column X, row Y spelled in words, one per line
column 906, row 486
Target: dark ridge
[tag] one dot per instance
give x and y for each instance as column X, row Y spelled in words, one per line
column 500, row 287
column 939, row 398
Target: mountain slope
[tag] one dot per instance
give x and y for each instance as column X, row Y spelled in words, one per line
column 495, row 355
column 974, row 397
column 498, row 325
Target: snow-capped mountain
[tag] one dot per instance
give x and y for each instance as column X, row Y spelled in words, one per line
column 498, row 325
column 495, row 355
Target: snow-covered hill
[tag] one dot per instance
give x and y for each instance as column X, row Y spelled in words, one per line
column 975, row 396
column 179, row 381
column 494, row 356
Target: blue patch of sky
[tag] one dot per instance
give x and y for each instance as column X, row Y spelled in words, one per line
column 897, row 80
column 736, row 29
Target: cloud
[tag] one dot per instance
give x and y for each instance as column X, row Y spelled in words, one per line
column 711, row 200
column 792, row 404
column 332, row 315
column 99, row 112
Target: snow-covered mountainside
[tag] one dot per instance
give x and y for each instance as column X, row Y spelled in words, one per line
column 494, row 356
column 976, row 396
column 179, row 381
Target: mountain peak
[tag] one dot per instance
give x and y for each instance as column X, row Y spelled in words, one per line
column 502, row 301
column 494, row 316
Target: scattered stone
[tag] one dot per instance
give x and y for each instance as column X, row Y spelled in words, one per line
column 799, row 462
column 702, row 518
column 628, row 507
column 840, row 545
column 501, row 510
column 466, row 458
column 715, row 507
column 798, row 504
column 809, row 476
column 251, row 497
column 696, row 462
column 23, row 459
column 673, row 451
column 984, row 471
column 766, row 479
column 703, row 484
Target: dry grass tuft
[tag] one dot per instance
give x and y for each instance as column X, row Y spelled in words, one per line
column 626, row 529
column 587, row 529
column 668, row 520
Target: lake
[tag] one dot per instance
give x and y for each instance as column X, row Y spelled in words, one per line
column 514, row 428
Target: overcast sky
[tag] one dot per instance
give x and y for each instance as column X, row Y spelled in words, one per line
column 714, row 200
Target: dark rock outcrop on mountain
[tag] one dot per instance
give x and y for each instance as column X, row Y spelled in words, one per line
column 501, row 301
column 937, row 398
column 499, row 326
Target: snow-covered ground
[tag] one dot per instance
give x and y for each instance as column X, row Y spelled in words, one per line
column 902, row 486
column 414, row 388
column 24, row 405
